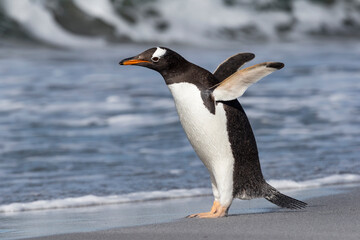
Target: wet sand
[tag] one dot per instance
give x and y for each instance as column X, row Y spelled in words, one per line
column 335, row 216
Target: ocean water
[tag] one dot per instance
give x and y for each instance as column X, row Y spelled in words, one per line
column 77, row 129
column 94, row 23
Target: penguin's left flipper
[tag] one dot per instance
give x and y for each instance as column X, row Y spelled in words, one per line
column 231, row 65
column 235, row 85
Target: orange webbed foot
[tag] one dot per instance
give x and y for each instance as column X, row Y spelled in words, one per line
column 216, row 211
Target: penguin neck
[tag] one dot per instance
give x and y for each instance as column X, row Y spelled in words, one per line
column 190, row 73
column 176, row 72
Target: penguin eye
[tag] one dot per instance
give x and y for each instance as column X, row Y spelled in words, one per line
column 155, row 59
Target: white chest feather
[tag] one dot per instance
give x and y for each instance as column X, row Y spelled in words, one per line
column 206, row 132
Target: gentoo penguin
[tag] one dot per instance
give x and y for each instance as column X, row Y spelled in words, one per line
column 216, row 124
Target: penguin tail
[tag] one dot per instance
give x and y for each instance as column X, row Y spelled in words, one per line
column 277, row 198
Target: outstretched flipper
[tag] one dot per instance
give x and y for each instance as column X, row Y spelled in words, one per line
column 231, row 65
column 235, row 85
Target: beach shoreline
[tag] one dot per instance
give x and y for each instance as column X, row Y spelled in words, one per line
column 333, row 213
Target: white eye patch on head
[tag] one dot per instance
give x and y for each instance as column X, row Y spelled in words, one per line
column 158, row 54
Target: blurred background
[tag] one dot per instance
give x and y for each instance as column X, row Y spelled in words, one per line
column 94, row 23
column 73, row 123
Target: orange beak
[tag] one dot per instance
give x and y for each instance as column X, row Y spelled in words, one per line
column 132, row 61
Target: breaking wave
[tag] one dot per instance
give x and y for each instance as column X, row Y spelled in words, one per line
column 96, row 23
column 91, row 200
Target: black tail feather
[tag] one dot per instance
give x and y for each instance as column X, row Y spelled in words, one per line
column 282, row 200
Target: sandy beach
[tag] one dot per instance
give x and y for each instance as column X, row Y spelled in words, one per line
column 333, row 216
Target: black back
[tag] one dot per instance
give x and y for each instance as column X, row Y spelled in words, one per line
column 248, row 178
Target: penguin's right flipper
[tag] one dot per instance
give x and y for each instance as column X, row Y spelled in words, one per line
column 235, row 85
column 231, row 65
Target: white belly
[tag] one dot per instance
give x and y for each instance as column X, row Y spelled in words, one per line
column 207, row 134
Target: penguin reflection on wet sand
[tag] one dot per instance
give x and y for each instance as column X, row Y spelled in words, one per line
column 216, row 124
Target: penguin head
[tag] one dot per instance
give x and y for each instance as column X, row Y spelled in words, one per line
column 160, row 59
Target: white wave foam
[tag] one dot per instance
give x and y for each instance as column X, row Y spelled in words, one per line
column 39, row 22
column 192, row 24
column 103, row 9
column 91, row 200
column 330, row 18
column 6, row 105
column 91, row 121
column 326, row 181
column 140, row 120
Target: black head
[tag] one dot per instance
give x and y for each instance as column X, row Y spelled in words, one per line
column 160, row 59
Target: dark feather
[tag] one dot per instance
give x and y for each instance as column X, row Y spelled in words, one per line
column 231, row 65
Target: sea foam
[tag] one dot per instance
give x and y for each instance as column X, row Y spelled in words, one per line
column 40, row 23
column 161, row 21
column 92, row 200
